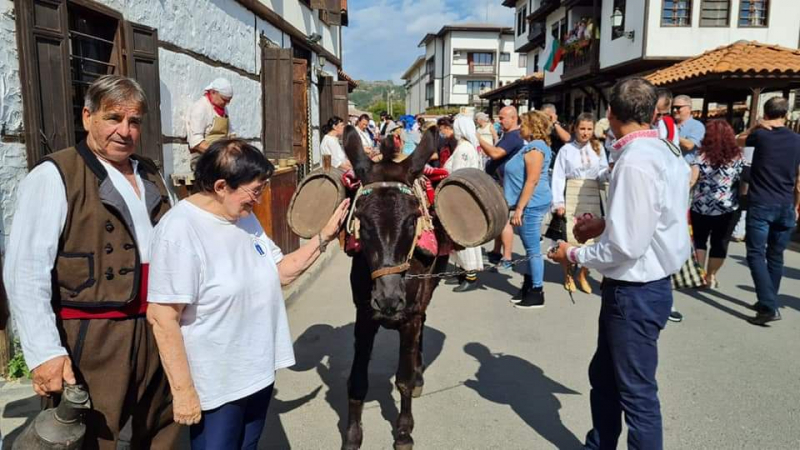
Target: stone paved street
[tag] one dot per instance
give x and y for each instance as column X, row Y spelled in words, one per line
column 503, row 378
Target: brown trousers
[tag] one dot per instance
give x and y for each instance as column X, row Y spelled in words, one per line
column 117, row 360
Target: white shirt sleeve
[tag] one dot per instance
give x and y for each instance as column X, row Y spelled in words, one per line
column 30, row 257
column 631, row 221
column 559, row 179
column 603, row 174
column 197, row 121
column 175, row 270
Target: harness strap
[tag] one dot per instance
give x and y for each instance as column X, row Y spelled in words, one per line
column 390, row 270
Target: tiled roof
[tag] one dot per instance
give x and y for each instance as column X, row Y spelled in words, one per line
column 537, row 77
column 739, row 58
column 345, row 77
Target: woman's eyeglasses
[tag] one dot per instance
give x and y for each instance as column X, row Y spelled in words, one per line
column 255, row 194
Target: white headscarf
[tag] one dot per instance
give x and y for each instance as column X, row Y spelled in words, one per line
column 464, row 128
column 221, row 85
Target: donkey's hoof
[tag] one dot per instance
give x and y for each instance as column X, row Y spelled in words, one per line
column 405, row 443
column 417, row 392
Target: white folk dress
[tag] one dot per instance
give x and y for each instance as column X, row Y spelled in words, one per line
column 576, row 163
column 466, row 156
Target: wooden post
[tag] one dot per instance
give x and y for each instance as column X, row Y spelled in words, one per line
column 729, row 112
column 5, row 342
column 754, row 102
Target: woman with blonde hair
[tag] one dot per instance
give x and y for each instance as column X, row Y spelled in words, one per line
column 466, row 155
column 527, row 191
column 581, row 159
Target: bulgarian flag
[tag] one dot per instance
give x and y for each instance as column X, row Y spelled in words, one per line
column 555, row 56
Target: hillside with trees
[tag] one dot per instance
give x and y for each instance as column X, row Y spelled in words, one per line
column 372, row 96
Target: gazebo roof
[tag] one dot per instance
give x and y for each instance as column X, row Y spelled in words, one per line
column 532, row 80
column 741, row 60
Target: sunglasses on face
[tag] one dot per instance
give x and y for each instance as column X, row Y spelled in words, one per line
column 678, row 107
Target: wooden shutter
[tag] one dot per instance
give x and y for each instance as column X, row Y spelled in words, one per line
column 141, row 54
column 300, row 110
column 45, row 74
column 325, row 100
column 340, row 104
column 319, row 4
column 277, row 86
column 332, row 14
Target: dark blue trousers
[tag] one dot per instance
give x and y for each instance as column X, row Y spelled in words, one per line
column 623, row 370
column 233, row 426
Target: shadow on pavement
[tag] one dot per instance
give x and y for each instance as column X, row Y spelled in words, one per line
column 510, row 380
column 788, row 272
column 705, row 296
column 329, row 351
column 785, row 301
column 27, row 408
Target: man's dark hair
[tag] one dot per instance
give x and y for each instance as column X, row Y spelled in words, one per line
column 664, row 93
column 633, row 100
column 383, row 114
column 363, row 117
column 232, row 160
column 444, row 122
column 776, row 108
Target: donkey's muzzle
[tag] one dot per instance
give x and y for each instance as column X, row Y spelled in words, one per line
column 388, row 295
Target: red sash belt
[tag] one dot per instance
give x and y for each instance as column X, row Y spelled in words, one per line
column 137, row 307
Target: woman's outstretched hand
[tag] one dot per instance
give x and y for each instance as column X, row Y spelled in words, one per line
column 331, row 229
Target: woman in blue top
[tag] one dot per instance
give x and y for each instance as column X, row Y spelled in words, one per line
column 527, row 191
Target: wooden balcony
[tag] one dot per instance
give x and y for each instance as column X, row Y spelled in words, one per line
column 537, row 33
column 544, row 9
column 582, row 61
column 475, row 69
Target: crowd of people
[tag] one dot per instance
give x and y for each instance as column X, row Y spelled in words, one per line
column 170, row 306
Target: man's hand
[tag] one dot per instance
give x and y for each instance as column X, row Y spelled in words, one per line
column 50, row 376
column 559, row 254
column 560, row 211
column 586, row 229
column 186, row 407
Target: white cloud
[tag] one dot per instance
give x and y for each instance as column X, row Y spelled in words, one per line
column 381, row 41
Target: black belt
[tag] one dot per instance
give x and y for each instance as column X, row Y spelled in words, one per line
column 610, row 282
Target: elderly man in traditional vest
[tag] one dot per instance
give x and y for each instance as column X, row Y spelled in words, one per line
column 76, row 273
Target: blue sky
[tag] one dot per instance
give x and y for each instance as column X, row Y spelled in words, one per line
column 381, row 41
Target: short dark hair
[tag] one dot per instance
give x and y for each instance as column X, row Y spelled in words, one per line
column 664, row 93
column 232, row 160
column 383, row 114
column 444, row 122
column 363, row 117
column 633, row 100
column 776, row 108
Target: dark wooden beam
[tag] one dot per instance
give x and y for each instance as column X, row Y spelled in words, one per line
column 756, row 95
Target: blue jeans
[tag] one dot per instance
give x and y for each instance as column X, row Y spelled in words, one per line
column 531, row 233
column 623, row 370
column 769, row 228
column 233, row 426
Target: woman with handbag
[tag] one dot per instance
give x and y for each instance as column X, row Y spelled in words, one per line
column 715, row 177
column 582, row 159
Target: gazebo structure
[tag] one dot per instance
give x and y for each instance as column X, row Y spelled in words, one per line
column 731, row 73
column 526, row 90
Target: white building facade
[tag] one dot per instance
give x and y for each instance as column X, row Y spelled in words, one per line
column 610, row 39
column 460, row 62
column 174, row 49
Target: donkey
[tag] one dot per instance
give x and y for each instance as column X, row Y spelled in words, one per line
column 382, row 293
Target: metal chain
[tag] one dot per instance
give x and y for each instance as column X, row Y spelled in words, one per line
column 458, row 273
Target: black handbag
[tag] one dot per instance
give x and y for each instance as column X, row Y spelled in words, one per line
column 557, row 230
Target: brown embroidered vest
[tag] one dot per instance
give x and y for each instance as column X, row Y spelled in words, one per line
column 98, row 262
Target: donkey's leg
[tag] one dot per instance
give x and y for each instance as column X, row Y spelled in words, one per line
column 406, row 374
column 419, row 381
column 358, row 384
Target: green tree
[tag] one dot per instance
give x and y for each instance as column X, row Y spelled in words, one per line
column 398, row 108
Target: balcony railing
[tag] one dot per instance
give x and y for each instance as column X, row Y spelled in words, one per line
column 581, row 59
column 475, row 69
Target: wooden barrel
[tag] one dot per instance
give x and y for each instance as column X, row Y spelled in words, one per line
column 314, row 202
column 471, row 207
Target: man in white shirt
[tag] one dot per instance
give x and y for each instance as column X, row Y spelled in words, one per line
column 207, row 119
column 76, row 273
column 642, row 241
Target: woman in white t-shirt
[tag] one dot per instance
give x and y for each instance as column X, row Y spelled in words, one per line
column 330, row 146
column 215, row 298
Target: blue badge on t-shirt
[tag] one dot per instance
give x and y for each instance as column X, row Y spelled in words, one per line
column 260, row 247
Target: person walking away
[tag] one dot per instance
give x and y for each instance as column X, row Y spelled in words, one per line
column 715, row 179
column 217, row 310
column 559, row 134
column 690, row 130
column 773, row 204
column 642, row 241
column 466, row 156
column 527, row 190
column 582, row 159
column 207, row 119
column 76, row 273
column 505, row 149
column 668, row 130
column 330, row 145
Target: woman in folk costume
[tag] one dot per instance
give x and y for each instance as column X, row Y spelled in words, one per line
column 582, row 159
column 466, row 156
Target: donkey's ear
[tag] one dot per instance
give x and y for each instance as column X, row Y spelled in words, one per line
column 422, row 154
column 362, row 165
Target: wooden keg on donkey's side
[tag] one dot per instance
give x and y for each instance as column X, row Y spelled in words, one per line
column 314, row 201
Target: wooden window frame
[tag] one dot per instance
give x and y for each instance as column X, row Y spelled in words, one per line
column 522, row 61
column 688, row 24
column 727, row 21
column 768, row 11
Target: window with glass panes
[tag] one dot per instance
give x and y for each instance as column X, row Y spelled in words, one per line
column 476, row 86
column 523, row 60
column 715, row 13
column 677, row 13
column 481, row 59
column 753, row 13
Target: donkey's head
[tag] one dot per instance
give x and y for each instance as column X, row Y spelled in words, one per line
column 387, row 211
